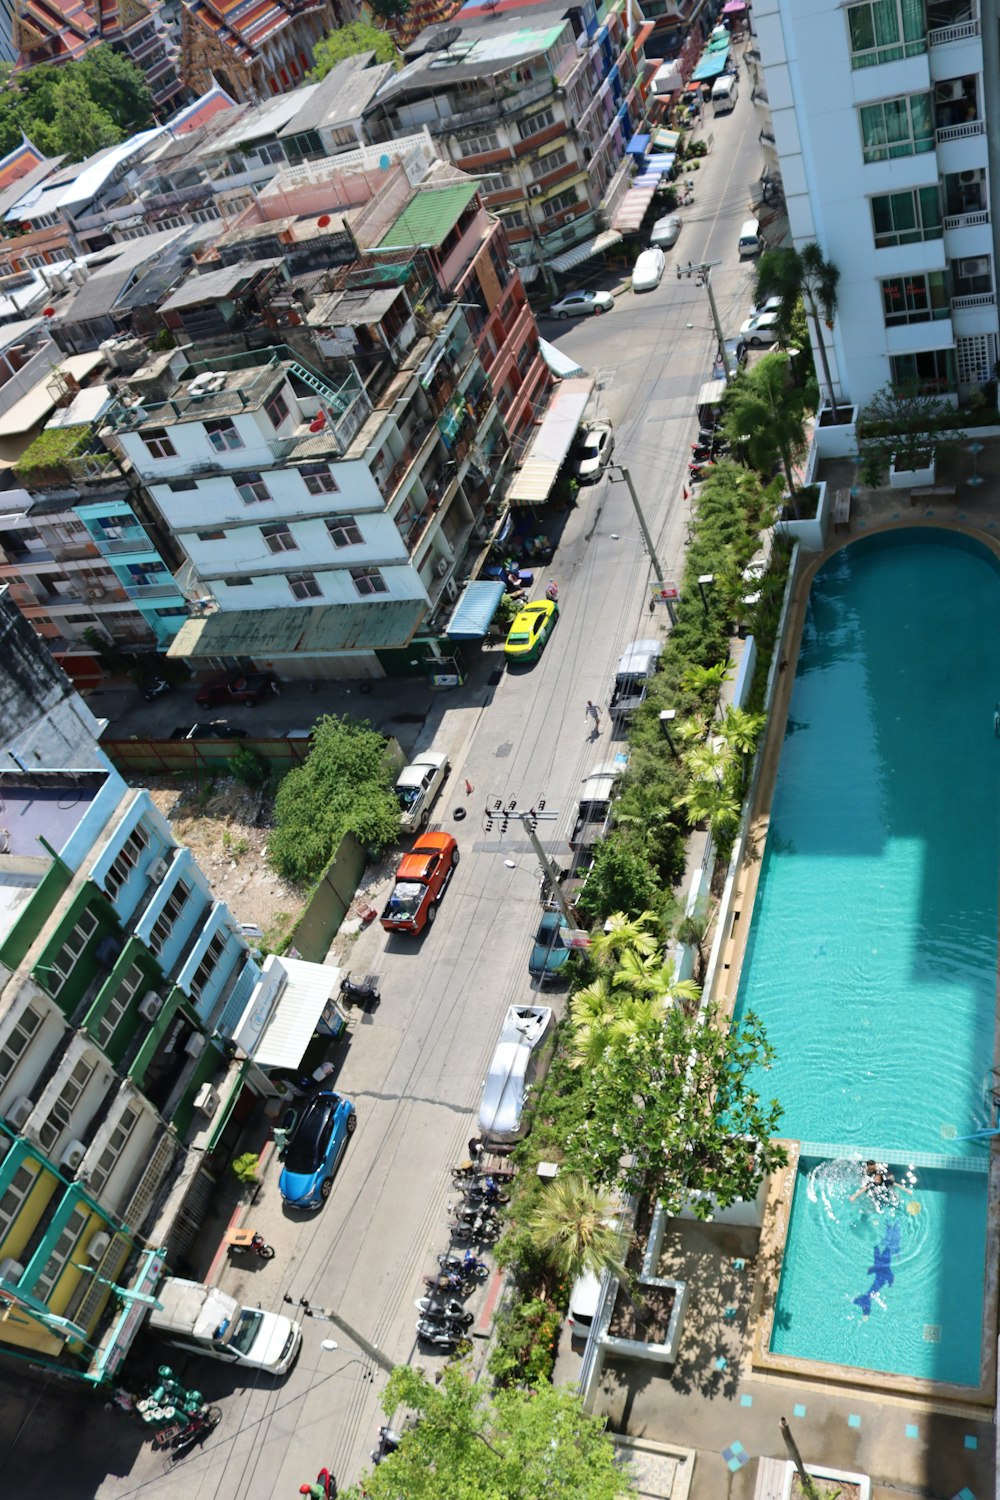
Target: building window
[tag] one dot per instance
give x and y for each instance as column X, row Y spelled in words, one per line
column 58, row 971
column 906, row 218
column 914, row 299
column 61, row 1113
column 62, row 1251
column 126, row 860
column 897, row 127
column 884, row 31
column 210, row 960
column 525, row 356
column 927, row 374
column 369, row 581
column 211, row 536
column 158, row 443
column 164, row 924
column 551, row 161
column 304, row 586
column 560, row 201
column 222, row 435
column 277, row 409
column 118, row 1005
column 24, row 1029
column 105, row 1163
column 318, row 479
column 21, row 1184
column 238, row 581
column 494, row 182
column 516, row 219
column 479, row 145
column 344, row 531
column 251, row 489
column 972, row 275
column 534, row 123
column 500, row 263
column 178, row 486
column 278, row 537
column 269, row 152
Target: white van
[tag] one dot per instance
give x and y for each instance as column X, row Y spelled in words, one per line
column 750, row 241
column 724, row 92
column 583, row 1301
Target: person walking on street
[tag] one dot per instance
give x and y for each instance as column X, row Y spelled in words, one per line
column 552, row 592
column 593, row 712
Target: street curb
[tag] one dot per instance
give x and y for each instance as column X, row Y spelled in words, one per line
column 218, row 1260
column 484, row 1323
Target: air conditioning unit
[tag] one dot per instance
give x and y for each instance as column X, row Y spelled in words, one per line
column 207, row 1099
column 73, row 1155
column 534, row 191
column 158, row 869
column 970, row 176
column 978, row 265
column 10, row 1269
column 441, row 566
column 451, row 589
column 97, row 1247
column 150, row 1005
column 19, row 1111
column 945, row 93
column 195, row 1044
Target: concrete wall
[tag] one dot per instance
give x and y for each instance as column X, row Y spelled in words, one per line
column 330, row 902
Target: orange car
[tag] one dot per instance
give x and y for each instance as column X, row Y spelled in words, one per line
column 421, row 877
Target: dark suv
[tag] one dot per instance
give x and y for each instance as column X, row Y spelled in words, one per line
column 235, row 687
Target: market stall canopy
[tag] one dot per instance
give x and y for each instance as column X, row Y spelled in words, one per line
column 666, row 140
column 638, row 145
column 477, row 604
column 559, row 363
column 551, row 443
column 711, row 393
column 712, row 64
column 606, row 240
column 291, row 1000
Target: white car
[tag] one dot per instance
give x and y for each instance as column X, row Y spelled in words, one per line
column 579, row 304
column 665, row 231
column 773, row 304
column 417, row 785
column 592, row 452
column 513, row 1068
column 761, row 329
column 648, row 270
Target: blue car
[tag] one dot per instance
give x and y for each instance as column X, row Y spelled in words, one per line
column 549, row 955
column 314, row 1150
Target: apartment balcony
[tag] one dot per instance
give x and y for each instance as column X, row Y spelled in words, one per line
column 416, row 449
column 970, row 220
column 498, row 106
column 146, row 592
column 973, row 300
column 132, row 539
column 961, row 132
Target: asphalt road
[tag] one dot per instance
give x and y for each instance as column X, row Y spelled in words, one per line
column 415, row 1071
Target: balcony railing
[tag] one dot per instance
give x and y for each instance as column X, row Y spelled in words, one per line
column 408, row 457
column 967, row 221
column 961, row 132
column 132, row 539
column 146, row 591
column 974, row 299
column 962, row 31
column 496, row 108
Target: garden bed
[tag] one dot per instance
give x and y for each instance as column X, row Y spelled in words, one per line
column 645, row 1317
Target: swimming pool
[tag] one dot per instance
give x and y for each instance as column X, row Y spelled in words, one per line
column 873, row 946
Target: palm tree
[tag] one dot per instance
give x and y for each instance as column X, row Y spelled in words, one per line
column 574, row 1228
column 701, row 680
column 622, row 931
column 593, row 1011
column 655, row 979
column 741, row 730
column 708, row 762
column 790, row 274
column 693, row 930
column 715, row 803
column 766, row 416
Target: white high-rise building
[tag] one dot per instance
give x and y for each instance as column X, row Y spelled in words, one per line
column 880, row 118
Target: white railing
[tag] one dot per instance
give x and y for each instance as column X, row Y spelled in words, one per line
column 974, row 299
column 961, row 132
column 967, row 221
column 961, row 32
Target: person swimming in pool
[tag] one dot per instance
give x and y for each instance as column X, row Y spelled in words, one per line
column 880, row 1184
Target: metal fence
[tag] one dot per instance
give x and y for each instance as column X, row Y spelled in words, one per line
column 141, row 757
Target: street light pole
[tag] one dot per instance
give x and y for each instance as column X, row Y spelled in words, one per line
column 703, row 271
column 623, row 474
column 552, row 874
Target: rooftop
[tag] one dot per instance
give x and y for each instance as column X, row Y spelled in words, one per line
column 102, row 289
column 349, row 308
column 211, row 392
column 429, row 217
column 213, row 286
column 37, row 403
column 490, row 41
column 315, row 630
column 44, row 805
column 260, row 120
column 342, row 96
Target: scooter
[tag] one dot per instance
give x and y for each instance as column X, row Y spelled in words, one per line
column 479, row 1231
column 486, row 1192
column 442, row 1336
column 449, row 1281
column 248, row 1242
column 443, row 1312
column 388, row 1441
column 327, row 1485
column 156, row 689
column 364, row 993
column 464, row 1265
column 199, row 1427
column 472, row 1213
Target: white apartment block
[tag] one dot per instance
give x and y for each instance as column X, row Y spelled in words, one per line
column 885, row 120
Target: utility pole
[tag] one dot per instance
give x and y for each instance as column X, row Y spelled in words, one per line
column 623, row 474
column 703, row 271
column 552, row 874
column 372, row 1350
column 502, row 813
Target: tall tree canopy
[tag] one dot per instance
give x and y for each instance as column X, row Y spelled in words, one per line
column 522, row 1444
column 76, row 108
column 348, row 41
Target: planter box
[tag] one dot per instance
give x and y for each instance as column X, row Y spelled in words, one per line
column 911, row 479
column 664, row 1350
column 839, row 440
column 811, row 535
column 832, row 1475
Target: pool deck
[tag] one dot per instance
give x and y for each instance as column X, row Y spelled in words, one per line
column 714, row 1400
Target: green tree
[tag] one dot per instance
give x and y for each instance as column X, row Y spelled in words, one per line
column 349, row 41
column 345, row 786
column 741, row 730
column 899, row 426
column 117, row 87
column 622, row 933
column 621, row 877
column 791, row 274
column 79, row 126
column 674, row 1110
column 655, row 978
column 521, row 1444
column 389, row 10
column 765, row 416
column 574, row 1227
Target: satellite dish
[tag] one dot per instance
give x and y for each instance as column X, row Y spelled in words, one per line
column 322, row 221
column 447, row 39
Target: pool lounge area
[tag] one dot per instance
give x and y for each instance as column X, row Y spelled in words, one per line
column 871, row 958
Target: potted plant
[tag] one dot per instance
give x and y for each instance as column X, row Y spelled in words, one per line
column 903, row 433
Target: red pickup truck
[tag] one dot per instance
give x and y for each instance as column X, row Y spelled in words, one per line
column 421, row 877
column 235, row 687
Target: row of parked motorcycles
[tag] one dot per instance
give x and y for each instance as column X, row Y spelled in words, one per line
column 710, row 446
column 444, row 1321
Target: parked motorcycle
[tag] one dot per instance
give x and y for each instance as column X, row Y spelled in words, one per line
column 201, row 1424
column 248, row 1242
column 441, row 1336
column 156, row 688
column 388, row 1441
column 465, row 1265
column 478, row 1231
column 363, row 993
column 487, row 1192
column 451, row 1311
column 449, row 1281
column 327, row 1485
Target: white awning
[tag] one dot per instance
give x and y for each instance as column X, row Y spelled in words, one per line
column 285, row 1009
column 711, row 393
column 537, row 474
column 559, row 363
column 606, row 240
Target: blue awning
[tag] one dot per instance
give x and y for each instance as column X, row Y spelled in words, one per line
column 638, row 145
column 712, row 64
column 476, row 607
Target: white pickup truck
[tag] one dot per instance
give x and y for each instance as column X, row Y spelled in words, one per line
column 205, row 1320
column 417, row 785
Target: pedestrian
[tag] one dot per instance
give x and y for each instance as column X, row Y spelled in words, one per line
column 475, row 1148
column 594, row 713
column 552, row 592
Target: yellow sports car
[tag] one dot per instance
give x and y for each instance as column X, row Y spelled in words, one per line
column 531, row 629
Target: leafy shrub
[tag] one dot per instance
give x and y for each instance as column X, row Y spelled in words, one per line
column 250, row 769
column 524, row 1349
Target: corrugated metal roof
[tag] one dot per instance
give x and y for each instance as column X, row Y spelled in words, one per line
column 477, row 604
column 211, row 286
column 293, row 1020
column 575, row 257
column 319, row 630
column 551, row 444
column 343, row 95
column 429, row 217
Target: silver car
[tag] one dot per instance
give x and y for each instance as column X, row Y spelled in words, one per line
column 580, row 304
column 592, row 452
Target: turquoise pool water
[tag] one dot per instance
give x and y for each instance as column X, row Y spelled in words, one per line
column 872, row 952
